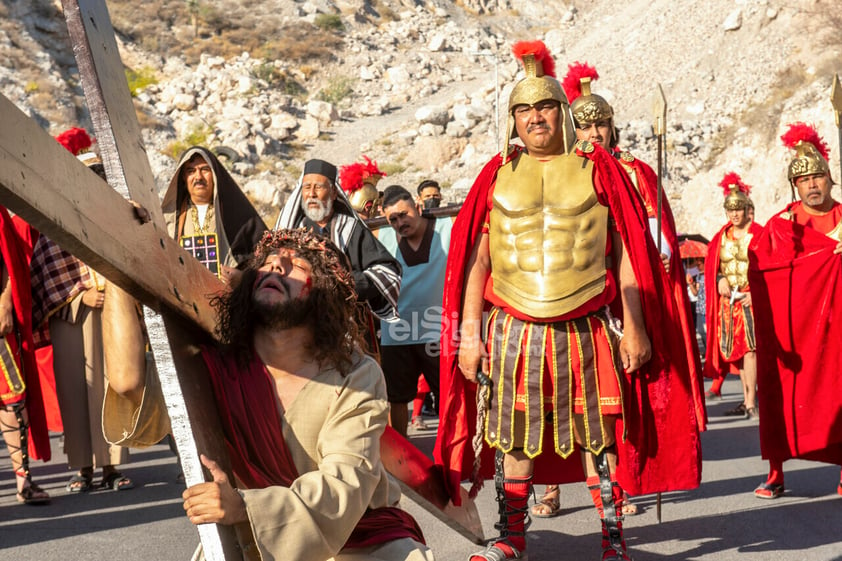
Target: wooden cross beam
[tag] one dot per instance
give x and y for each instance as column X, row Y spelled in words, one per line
column 58, row 195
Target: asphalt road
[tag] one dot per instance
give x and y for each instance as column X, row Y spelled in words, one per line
column 721, row 520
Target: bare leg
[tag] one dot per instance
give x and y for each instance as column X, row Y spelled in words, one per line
column 748, row 375
column 13, row 423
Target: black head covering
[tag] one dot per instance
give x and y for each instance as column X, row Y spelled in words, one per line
column 241, row 225
column 322, row 168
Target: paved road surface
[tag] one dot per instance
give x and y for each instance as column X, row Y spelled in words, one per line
column 720, row 521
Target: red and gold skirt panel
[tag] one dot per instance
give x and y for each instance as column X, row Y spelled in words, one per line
column 735, row 330
column 12, row 383
column 551, row 372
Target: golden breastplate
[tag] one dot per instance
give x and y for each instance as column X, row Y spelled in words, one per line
column 547, row 235
column 733, row 260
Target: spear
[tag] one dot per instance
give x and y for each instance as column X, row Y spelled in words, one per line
column 836, row 100
column 659, row 126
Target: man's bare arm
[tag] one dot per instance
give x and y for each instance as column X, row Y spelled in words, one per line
column 471, row 348
column 635, row 347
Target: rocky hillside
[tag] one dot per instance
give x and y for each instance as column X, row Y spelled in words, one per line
column 415, row 84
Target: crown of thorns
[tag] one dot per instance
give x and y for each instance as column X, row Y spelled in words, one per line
column 320, row 252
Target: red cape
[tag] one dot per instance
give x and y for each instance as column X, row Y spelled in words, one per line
column 796, row 287
column 662, row 449
column 647, row 181
column 43, row 353
column 714, row 365
column 15, row 262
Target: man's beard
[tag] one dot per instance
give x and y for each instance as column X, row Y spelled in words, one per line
column 317, row 214
column 283, row 315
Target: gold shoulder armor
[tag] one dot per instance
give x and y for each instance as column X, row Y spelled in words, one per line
column 585, row 146
column 626, row 156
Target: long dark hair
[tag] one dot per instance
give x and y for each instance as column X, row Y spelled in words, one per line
column 331, row 304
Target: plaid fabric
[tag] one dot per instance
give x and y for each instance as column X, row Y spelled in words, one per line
column 57, row 277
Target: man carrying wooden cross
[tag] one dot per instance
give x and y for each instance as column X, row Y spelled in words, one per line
column 308, row 480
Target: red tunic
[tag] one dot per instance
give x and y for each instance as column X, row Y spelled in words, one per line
column 797, row 295
column 660, row 406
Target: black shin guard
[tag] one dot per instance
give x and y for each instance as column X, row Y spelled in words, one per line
column 505, row 508
column 611, row 519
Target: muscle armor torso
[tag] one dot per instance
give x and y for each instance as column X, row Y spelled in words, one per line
column 547, row 235
column 733, row 260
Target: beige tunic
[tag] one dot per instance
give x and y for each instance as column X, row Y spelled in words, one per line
column 80, row 386
column 332, row 430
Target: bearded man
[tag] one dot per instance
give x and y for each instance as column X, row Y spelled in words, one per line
column 207, row 212
column 554, row 359
column 794, row 275
column 309, row 480
column 319, row 205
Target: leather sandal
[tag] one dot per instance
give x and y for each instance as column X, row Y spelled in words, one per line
column 80, row 483
column 550, row 504
column 116, row 481
column 769, row 491
column 31, row 494
column 629, row 508
column 738, row 411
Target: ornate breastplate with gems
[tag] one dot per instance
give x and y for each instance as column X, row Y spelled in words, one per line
column 733, row 260
column 547, row 235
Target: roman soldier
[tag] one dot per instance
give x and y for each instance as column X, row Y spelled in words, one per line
column 359, row 181
column 731, row 343
column 794, row 275
column 561, row 378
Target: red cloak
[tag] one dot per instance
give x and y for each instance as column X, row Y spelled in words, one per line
column 15, row 263
column 714, row 365
column 662, row 449
column 796, row 287
column 43, row 351
column 647, row 181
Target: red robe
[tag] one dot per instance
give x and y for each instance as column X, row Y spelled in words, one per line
column 14, row 261
column 796, row 286
column 662, row 449
column 714, row 365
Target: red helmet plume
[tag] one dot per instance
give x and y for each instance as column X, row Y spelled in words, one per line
column 802, row 132
column 353, row 176
column 537, row 49
column 572, row 81
column 732, row 179
column 76, row 140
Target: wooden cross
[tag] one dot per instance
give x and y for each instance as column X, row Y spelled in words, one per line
column 58, row 195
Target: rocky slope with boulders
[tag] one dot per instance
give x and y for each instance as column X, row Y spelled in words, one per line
column 421, row 86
